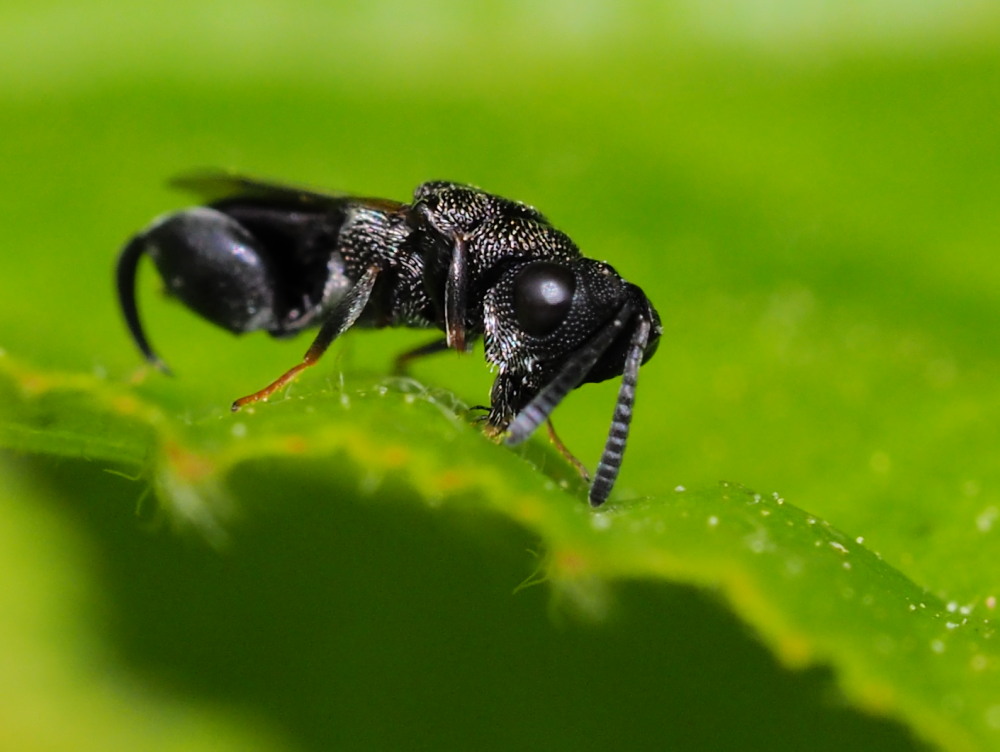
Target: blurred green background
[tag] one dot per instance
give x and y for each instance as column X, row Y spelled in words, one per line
column 808, row 192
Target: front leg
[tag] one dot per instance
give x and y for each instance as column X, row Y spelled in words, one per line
column 452, row 212
column 506, row 398
column 456, row 293
column 509, row 395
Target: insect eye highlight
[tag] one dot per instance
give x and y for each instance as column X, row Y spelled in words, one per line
column 543, row 295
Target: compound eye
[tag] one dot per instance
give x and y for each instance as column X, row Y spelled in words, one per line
column 543, row 294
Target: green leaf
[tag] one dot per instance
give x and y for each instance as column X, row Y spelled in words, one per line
column 60, row 688
column 898, row 649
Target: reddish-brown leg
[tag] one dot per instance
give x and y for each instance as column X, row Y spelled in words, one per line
column 264, row 394
column 561, row 448
column 341, row 319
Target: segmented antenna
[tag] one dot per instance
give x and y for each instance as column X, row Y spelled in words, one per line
column 614, row 447
column 128, row 263
column 538, row 410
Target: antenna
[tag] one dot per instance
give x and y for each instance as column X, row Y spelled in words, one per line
column 614, row 447
column 538, row 410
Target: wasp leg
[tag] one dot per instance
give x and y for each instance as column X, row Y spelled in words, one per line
column 565, row 452
column 344, row 315
column 403, row 360
column 454, row 296
column 128, row 263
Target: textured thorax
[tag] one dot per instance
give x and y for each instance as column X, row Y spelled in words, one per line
column 495, row 232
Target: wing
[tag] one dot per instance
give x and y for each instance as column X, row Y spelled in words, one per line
column 217, row 185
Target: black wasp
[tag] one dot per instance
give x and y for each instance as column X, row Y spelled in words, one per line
column 458, row 259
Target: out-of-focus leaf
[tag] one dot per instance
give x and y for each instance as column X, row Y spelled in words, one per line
column 896, row 648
